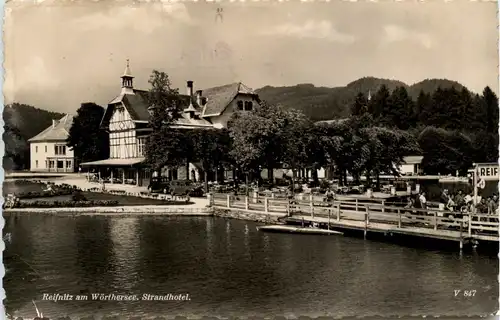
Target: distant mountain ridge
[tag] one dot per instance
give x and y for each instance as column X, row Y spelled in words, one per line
column 323, row 103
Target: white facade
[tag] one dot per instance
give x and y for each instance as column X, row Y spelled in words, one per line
column 241, row 102
column 49, row 151
column 51, row 156
column 411, row 165
column 123, row 140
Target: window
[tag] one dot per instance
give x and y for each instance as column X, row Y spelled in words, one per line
column 240, row 105
column 60, row 150
column 36, row 163
column 68, row 164
column 45, row 149
column 36, row 148
column 140, row 146
column 248, row 105
column 51, row 164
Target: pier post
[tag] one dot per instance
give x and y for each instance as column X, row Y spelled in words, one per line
column 246, row 202
column 266, row 204
column 399, row 218
column 367, row 214
column 470, row 225
column 338, row 211
column 328, row 218
column 356, row 204
column 383, row 206
column 435, row 221
column 288, row 209
column 228, row 201
column 461, row 236
column 311, row 205
column 366, row 223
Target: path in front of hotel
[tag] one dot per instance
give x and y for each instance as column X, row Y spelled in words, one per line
column 198, row 206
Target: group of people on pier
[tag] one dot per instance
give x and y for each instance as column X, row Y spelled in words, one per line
column 458, row 202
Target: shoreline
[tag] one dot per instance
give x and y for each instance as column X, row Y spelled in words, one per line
column 155, row 210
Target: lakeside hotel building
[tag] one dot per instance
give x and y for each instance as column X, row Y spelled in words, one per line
column 48, row 149
column 126, row 119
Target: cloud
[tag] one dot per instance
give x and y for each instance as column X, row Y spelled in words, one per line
column 393, row 33
column 311, row 29
column 144, row 17
column 34, row 75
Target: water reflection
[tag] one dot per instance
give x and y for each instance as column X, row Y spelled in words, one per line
column 209, row 236
column 229, row 268
column 125, row 239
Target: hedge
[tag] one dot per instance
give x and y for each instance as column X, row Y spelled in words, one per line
column 44, row 194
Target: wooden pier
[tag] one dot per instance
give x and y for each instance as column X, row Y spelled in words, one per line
column 370, row 216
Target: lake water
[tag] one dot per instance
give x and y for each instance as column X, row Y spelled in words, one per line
column 228, row 268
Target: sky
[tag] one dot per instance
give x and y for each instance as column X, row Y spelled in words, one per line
column 59, row 54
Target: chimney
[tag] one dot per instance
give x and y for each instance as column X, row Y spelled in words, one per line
column 198, row 97
column 54, row 122
column 190, row 88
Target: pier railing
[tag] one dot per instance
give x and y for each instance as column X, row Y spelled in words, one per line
column 362, row 213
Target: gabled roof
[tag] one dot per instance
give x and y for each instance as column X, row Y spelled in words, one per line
column 218, row 98
column 413, row 159
column 137, row 106
column 57, row 132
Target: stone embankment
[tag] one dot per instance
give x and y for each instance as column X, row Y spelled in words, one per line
column 153, row 210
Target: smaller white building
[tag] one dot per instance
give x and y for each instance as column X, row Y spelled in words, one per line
column 412, row 165
column 48, row 149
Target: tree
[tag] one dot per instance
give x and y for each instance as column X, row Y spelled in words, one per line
column 379, row 104
column 210, row 148
column 423, row 108
column 359, row 107
column 399, row 113
column 16, row 149
column 165, row 146
column 251, row 135
column 294, row 136
column 490, row 101
column 88, row 140
column 445, row 151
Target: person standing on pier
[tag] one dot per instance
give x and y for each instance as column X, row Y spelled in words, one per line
column 422, row 200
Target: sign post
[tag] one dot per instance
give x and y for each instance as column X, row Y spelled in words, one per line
column 474, row 202
column 482, row 172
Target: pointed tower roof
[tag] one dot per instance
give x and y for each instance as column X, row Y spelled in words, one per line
column 190, row 108
column 127, row 73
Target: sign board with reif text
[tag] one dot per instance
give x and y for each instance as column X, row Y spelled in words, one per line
column 488, row 171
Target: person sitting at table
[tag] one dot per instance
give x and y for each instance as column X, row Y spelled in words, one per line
column 450, row 205
column 329, row 195
column 482, row 207
column 410, row 203
column 492, row 204
column 459, row 199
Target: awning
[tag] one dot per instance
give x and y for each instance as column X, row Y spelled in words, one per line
column 114, row 162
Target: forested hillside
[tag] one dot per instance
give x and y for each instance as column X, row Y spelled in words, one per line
column 22, row 122
column 454, row 128
column 321, row 103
